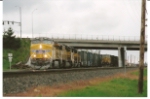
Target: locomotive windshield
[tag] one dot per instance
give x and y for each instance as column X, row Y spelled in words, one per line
column 35, row 41
column 47, row 42
column 41, row 40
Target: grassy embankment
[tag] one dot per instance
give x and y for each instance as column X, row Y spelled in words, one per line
column 19, row 55
column 118, row 87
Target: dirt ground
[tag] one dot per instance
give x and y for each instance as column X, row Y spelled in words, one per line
column 52, row 91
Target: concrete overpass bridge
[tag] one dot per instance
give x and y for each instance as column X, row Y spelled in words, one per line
column 101, row 44
column 111, row 42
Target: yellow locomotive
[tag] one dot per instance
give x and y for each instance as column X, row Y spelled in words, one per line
column 109, row 60
column 46, row 52
column 105, row 60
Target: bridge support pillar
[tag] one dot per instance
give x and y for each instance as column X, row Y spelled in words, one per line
column 121, row 56
column 125, row 55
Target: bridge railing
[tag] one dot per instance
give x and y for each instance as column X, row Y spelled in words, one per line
column 92, row 37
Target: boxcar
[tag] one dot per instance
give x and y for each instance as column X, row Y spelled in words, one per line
column 83, row 55
column 89, row 59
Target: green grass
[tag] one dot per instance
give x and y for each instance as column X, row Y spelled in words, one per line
column 137, row 72
column 20, row 54
column 119, row 87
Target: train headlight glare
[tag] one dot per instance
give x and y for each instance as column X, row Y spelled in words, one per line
column 45, row 55
column 40, row 46
column 34, row 55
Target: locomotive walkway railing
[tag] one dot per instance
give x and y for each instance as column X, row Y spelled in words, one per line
column 92, row 37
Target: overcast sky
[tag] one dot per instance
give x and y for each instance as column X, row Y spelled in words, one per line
column 81, row 17
column 92, row 17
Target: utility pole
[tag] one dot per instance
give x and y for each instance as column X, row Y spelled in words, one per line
column 20, row 21
column 142, row 42
column 32, row 21
column 20, row 24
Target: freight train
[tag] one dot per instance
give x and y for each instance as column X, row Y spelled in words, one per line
column 46, row 52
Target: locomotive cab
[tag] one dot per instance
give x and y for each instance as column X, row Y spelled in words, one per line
column 41, row 51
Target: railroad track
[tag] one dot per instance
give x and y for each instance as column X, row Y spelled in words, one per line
column 23, row 71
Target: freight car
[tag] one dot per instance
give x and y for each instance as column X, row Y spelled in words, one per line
column 83, row 56
column 90, row 59
column 96, row 60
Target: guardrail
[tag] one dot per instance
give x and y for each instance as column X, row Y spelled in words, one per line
column 92, row 37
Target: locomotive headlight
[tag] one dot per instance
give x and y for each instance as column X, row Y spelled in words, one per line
column 34, row 55
column 45, row 56
column 40, row 46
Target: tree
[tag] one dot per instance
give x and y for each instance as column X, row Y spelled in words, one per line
column 9, row 40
